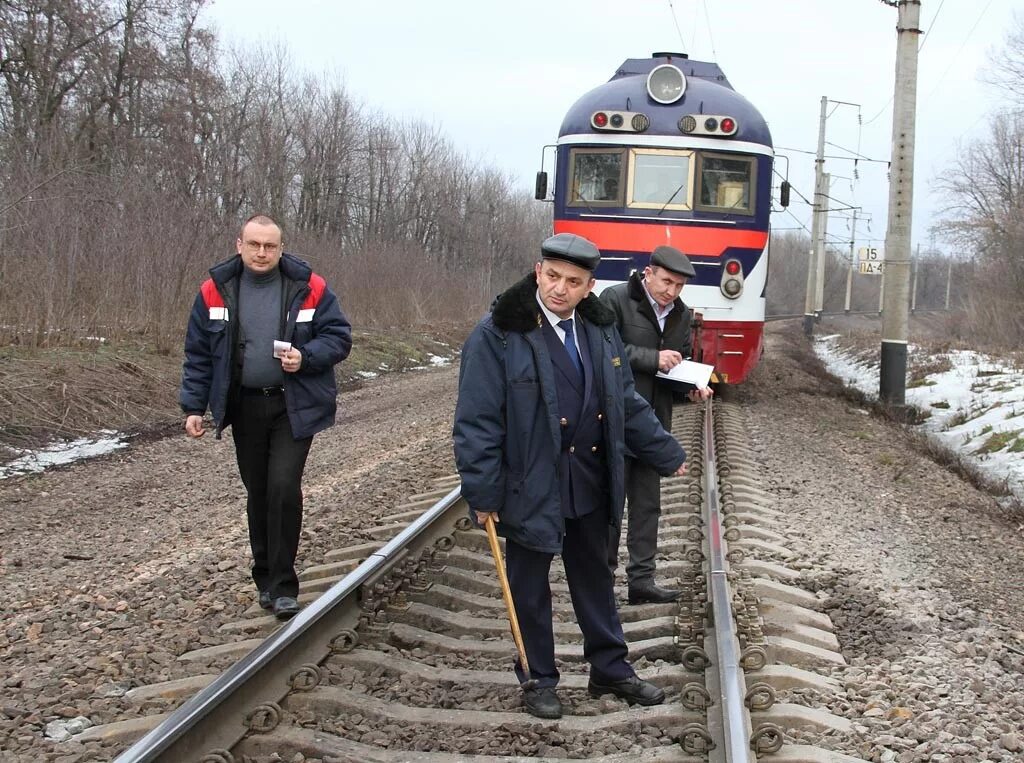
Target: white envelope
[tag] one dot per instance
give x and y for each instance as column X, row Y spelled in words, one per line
column 697, row 374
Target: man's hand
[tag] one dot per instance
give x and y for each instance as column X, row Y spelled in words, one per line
column 291, row 361
column 700, row 393
column 668, row 359
column 681, row 471
column 194, row 426
column 481, row 517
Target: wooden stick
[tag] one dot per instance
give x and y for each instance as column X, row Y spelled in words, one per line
column 506, row 592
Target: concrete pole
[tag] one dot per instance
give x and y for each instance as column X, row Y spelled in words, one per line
column 949, row 280
column 810, row 298
column 913, row 291
column 853, row 262
column 819, row 283
column 895, row 319
column 881, row 290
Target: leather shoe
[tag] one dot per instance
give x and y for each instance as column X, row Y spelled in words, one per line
column 631, row 689
column 651, row 593
column 542, row 702
column 286, row 607
column 265, row 601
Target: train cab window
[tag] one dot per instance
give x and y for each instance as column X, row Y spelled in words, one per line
column 595, row 177
column 660, row 179
column 727, row 183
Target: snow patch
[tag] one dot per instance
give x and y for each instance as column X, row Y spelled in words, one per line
column 976, row 407
column 30, row 461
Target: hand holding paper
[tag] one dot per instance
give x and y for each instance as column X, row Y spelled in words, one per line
column 697, row 374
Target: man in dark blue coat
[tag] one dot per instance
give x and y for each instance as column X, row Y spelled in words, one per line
column 263, row 339
column 545, row 411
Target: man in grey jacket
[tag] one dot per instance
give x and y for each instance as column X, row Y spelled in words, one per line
column 655, row 328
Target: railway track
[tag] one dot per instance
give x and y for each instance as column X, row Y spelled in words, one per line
column 402, row 651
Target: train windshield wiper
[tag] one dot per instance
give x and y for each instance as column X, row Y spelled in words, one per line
column 674, row 194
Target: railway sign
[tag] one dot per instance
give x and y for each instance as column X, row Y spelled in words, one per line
column 870, row 260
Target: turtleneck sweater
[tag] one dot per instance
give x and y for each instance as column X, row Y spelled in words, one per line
column 259, row 308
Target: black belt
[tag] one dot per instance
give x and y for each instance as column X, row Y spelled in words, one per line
column 263, row 391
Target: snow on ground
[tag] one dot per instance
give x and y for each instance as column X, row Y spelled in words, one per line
column 975, row 406
column 62, row 453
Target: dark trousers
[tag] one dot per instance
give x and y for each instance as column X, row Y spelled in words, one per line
column 271, row 462
column 593, row 600
column 643, row 501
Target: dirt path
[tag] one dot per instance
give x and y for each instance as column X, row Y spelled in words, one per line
column 84, row 548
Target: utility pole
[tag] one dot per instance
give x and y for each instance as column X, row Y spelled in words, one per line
column 810, row 300
column 881, row 290
column 819, row 285
column 853, row 262
column 913, row 291
column 949, row 281
column 895, row 319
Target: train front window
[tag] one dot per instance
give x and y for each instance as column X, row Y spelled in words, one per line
column 660, row 179
column 727, row 183
column 595, row 177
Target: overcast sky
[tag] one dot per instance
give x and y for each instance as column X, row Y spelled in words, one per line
column 498, row 77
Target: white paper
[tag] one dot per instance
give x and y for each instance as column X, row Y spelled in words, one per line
column 280, row 348
column 697, row 374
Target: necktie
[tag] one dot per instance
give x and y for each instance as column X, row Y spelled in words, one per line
column 570, row 345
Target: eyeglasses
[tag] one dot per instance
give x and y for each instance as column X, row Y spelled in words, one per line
column 255, row 246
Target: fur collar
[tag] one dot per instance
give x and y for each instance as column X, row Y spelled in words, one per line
column 516, row 309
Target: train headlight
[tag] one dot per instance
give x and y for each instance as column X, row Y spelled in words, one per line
column 666, row 84
column 619, row 121
column 732, row 279
column 715, row 125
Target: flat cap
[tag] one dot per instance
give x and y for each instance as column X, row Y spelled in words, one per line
column 571, row 248
column 670, row 258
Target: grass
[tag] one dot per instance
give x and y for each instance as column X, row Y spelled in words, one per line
column 999, row 440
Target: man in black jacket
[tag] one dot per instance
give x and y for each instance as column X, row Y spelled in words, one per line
column 263, row 339
column 655, row 328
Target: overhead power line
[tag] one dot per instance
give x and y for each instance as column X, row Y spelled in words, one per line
column 675, row 21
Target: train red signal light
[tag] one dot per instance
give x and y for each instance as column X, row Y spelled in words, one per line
column 600, row 119
column 732, row 267
column 728, row 125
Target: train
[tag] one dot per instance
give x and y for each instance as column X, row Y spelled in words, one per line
column 667, row 152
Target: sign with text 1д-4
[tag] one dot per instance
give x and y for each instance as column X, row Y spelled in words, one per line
column 870, row 260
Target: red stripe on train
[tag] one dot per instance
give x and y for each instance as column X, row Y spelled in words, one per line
column 644, row 237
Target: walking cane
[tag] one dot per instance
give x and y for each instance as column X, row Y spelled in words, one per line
column 506, row 593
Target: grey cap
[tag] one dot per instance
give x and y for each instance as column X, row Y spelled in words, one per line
column 670, row 258
column 571, row 248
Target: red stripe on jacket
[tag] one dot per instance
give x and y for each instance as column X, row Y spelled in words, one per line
column 212, row 297
column 316, row 291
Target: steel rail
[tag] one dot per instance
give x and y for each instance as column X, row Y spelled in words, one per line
column 246, row 681
column 731, row 682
